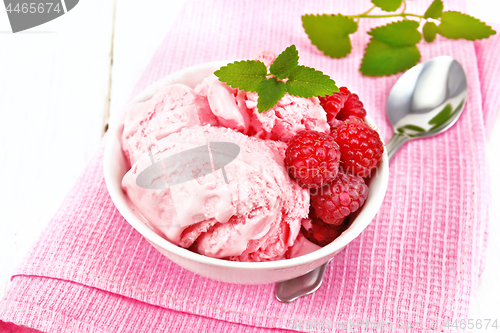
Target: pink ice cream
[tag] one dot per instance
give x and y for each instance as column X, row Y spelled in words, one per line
column 256, row 216
column 302, row 246
column 227, row 104
column 290, row 116
column 237, row 109
column 171, row 109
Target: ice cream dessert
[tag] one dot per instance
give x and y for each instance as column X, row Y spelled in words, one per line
column 171, row 109
column 256, row 216
column 212, row 174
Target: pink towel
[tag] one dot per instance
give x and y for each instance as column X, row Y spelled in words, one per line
column 417, row 263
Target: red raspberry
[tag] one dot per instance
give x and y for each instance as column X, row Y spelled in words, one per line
column 352, row 107
column 339, row 198
column 360, row 146
column 332, row 104
column 312, row 159
column 319, row 232
column 341, row 105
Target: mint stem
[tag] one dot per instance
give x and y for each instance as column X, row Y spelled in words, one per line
column 387, row 15
column 402, row 14
column 369, row 10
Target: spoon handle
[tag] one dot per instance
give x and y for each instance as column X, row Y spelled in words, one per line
column 395, row 143
column 289, row 290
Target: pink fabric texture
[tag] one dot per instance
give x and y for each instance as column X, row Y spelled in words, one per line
column 417, row 262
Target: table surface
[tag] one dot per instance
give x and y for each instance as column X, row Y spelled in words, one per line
column 79, row 76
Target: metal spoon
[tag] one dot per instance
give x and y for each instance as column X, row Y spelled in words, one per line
column 425, row 101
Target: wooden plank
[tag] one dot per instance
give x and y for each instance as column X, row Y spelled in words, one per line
column 139, row 30
column 54, row 93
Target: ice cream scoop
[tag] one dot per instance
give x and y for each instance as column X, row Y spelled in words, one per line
column 249, row 211
column 168, row 111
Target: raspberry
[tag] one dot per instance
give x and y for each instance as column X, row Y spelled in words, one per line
column 352, row 107
column 339, row 198
column 332, row 104
column 319, row 232
column 360, row 146
column 312, row 159
column 342, row 105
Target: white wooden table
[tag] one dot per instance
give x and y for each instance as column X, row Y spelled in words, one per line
column 61, row 82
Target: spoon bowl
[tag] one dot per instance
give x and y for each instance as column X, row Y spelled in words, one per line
column 425, row 101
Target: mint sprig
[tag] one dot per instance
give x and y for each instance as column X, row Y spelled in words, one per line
column 330, row 33
column 456, row 25
column 270, row 92
column 435, row 10
column 285, row 62
column 393, row 47
column 387, row 5
column 430, row 31
column 252, row 76
column 307, row 82
column 247, row 75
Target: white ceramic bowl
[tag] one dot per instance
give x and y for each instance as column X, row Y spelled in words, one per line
column 115, row 168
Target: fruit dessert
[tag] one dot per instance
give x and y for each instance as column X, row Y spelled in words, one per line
column 264, row 173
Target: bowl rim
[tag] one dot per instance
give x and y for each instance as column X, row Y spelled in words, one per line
column 368, row 212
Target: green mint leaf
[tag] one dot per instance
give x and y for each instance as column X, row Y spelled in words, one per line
column 430, row 30
column 456, row 25
column 435, row 10
column 388, row 5
column 270, row 92
column 307, row 82
column 247, row 75
column 330, row 33
column 285, row 62
column 383, row 59
column 397, row 34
